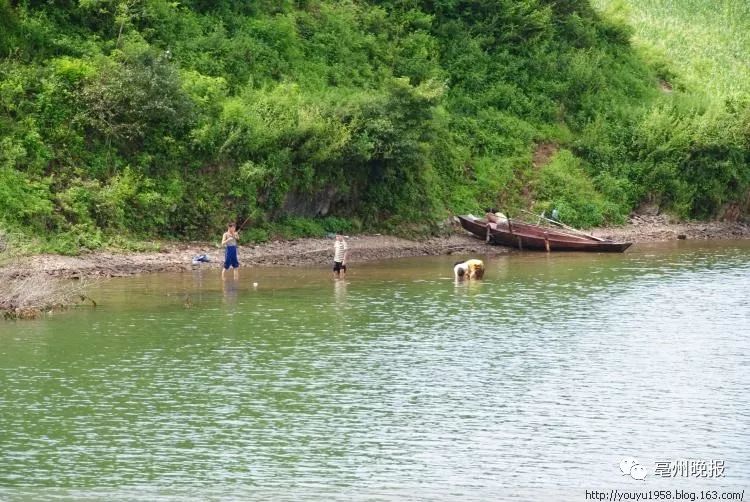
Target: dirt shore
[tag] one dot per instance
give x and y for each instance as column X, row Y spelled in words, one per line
column 296, row 253
column 312, row 252
column 658, row 228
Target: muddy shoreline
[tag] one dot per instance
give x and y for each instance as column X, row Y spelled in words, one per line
column 295, row 253
column 317, row 252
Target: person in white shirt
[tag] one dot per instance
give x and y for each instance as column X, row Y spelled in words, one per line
column 339, row 256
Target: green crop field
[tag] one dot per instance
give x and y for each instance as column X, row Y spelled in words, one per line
column 707, row 42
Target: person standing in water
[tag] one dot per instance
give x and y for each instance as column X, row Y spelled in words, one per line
column 340, row 250
column 229, row 240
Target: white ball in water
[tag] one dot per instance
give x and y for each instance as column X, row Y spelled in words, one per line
column 255, row 284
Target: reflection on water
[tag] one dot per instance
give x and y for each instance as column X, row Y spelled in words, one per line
column 395, row 382
column 339, row 290
column 230, row 289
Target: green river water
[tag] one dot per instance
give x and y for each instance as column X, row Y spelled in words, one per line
column 395, row 383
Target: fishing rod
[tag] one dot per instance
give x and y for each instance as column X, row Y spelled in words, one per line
column 244, row 223
column 563, row 225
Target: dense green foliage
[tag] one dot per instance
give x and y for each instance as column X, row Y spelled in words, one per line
column 151, row 118
column 694, row 143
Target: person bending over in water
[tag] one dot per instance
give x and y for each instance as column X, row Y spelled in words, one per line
column 340, row 250
column 469, row 269
column 229, row 239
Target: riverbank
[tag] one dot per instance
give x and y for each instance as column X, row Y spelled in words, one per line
column 299, row 252
column 658, row 228
column 317, row 252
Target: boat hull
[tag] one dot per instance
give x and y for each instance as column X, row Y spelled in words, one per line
column 532, row 237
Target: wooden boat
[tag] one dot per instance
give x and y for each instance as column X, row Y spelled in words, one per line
column 521, row 235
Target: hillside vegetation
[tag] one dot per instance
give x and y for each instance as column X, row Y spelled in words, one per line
column 129, row 119
column 707, row 42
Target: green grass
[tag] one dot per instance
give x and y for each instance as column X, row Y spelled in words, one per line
column 706, row 42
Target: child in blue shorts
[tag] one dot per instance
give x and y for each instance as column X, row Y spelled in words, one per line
column 229, row 239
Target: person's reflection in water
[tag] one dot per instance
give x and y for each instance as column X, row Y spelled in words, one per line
column 467, row 287
column 198, row 282
column 339, row 293
column 231, row 288
column 339, row 306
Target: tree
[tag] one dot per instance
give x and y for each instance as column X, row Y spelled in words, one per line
column 134, row 95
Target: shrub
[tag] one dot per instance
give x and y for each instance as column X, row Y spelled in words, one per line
column 333, row 224
column 563, row 184
column 24, row 201
column 293, row 227
column 255, row 234
column 77, row 238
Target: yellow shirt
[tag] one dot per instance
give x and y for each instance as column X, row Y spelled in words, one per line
column 474, row 264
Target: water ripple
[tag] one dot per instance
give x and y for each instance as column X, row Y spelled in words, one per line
column 397, row 383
